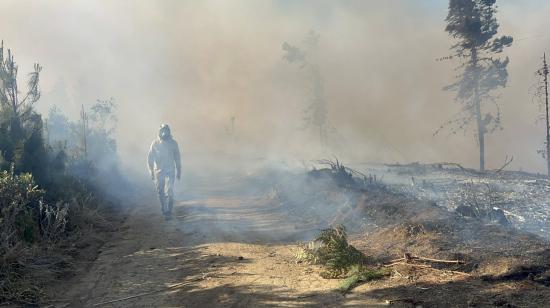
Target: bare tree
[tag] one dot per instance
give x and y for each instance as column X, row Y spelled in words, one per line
column 541, row 92
column 474, row 25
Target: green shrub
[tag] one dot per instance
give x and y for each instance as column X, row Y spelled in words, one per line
column 71, row 177
column 336, row 254
column 340, row 259
column 20, row 201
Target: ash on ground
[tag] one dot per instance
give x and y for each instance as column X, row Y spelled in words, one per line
column 518, row 199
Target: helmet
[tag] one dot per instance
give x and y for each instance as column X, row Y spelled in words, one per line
column 164, row 132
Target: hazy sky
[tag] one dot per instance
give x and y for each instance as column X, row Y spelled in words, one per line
column 196, row 64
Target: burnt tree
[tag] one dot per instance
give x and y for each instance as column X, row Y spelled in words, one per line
column 474, row 25
column 542, row 92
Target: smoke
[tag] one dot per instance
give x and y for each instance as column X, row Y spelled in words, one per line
column 198, row 64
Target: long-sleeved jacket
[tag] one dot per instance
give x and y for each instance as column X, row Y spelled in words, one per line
column 164, row 157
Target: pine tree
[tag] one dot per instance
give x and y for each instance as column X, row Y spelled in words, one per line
column 474, row 25
column 21, row 128
column 316, row 112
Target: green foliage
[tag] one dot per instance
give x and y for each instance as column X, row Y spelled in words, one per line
column 10, row 96
column 57, row 165
column 20, row 201
column 340, row 259
column 64, row 202
column 474, row 25
column 336, row 254
column 359, row 273
column 21, row 128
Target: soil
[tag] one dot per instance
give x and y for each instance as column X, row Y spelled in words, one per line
column 231, row 247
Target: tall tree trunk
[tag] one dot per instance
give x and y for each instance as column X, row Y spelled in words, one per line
column 479, row 118
column 545, row 73
column 321, row 139
column 480, row 132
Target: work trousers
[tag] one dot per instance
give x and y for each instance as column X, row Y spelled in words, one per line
column 165, row 189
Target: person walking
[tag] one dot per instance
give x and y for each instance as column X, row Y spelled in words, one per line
column 164, row 162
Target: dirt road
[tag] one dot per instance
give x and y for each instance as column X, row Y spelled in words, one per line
column 222, row 251
column 227, row 246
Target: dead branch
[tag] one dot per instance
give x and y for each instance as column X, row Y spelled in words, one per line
column 177, row 285
column 459, row 166
column 338, row 166
column 459, row 273
column 410, row 258
column 506, row 163
column 440, row 261
column 426, row 266
column 404, row 300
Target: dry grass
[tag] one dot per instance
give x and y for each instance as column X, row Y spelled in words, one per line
column 27, row 267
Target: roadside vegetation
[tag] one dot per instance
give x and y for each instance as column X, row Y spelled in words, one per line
column 51, row 195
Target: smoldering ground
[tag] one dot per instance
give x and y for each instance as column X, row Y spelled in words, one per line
column 215, row 71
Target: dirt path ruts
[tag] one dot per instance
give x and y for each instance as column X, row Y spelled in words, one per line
column 216, row 252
